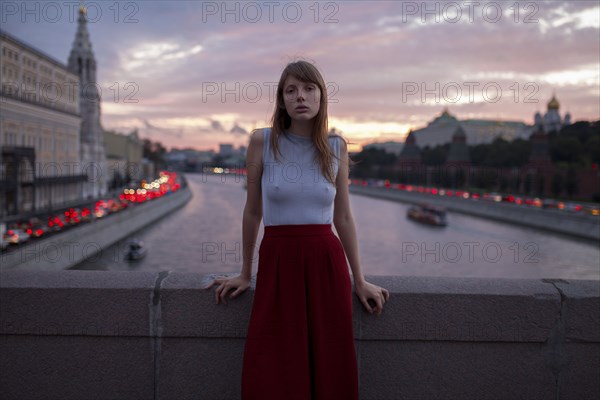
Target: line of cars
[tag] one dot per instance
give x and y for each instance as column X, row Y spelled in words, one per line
column 583, row 208
column 38, row 227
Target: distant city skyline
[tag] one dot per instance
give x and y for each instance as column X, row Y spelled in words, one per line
column 197, row 74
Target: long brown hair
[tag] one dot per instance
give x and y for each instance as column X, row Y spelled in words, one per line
column 305, row 72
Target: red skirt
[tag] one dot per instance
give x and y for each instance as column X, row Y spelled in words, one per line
column 300, row 343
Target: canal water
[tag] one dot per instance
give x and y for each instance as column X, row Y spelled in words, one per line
column 205, row 236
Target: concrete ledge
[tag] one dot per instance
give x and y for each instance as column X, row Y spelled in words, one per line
column 460, row 309
column 75, row 303
column 136, row 335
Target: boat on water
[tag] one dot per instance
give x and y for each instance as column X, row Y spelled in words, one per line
column 136, row 251
column 428, row 214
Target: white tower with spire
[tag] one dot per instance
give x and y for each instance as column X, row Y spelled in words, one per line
column 92, row 154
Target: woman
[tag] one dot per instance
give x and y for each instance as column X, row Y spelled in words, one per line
column 300, row 341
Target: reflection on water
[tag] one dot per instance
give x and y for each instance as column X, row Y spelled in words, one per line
column 205, row 236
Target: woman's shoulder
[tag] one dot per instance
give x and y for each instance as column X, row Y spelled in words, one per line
column 337, row 140
column 258, row 135
column 335, row 136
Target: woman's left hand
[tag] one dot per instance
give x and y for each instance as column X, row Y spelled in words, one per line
column 367, row 291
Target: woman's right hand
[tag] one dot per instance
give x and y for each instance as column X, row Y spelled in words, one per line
column 239, row 283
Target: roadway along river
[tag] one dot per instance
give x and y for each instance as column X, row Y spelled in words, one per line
column 205, row 236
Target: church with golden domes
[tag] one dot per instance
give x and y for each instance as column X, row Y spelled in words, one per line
column 551, row 121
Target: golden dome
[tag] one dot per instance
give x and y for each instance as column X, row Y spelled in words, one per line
column 553, row 104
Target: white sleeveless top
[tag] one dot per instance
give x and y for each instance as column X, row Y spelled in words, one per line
column 294, row 191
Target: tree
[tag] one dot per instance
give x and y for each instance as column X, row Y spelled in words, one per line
column 593, row 147
column 436, row 155
column 499, row 153
column 540, row 185
column 578, row 143
column 369, row 162
column 528, row 184
column 557, row 184
column 519, row 151
column 503, row 183
column 154, row 151
column 479, row 154
column 581, row 130
column 567, row 149
column 571, row 183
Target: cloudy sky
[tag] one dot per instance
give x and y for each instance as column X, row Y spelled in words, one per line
column 193, row 73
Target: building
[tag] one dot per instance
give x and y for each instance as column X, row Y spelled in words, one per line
column 477, row 131
column 230, row 157
column 458, row 154
column 389, row 146
column 39, row 131
column 190, row 160
column 551, row 121
column 51, row 141
column 92, row 154
column 226, row 149
column 540, row 149
column 409, row 167
column 410, row 153
column 457, row 163
column 124, row 158
column 482, row 131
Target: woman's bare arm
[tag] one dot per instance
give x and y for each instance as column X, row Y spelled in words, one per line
column 346, row 229
column 253, row 209
column 251, row 219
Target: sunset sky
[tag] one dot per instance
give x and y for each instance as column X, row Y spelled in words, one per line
column 204, row 73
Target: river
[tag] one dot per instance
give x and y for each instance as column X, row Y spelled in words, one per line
column 205, row 236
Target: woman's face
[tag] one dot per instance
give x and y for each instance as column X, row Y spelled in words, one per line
column 302, row 99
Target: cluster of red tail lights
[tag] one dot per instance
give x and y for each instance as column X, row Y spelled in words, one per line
column 166, row 183
column 55, row 222
column 72, row 216
column 493, row 197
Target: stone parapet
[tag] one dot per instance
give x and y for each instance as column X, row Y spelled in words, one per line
column 141, row 335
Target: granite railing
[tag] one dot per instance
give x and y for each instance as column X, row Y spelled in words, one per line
column 137, row 335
